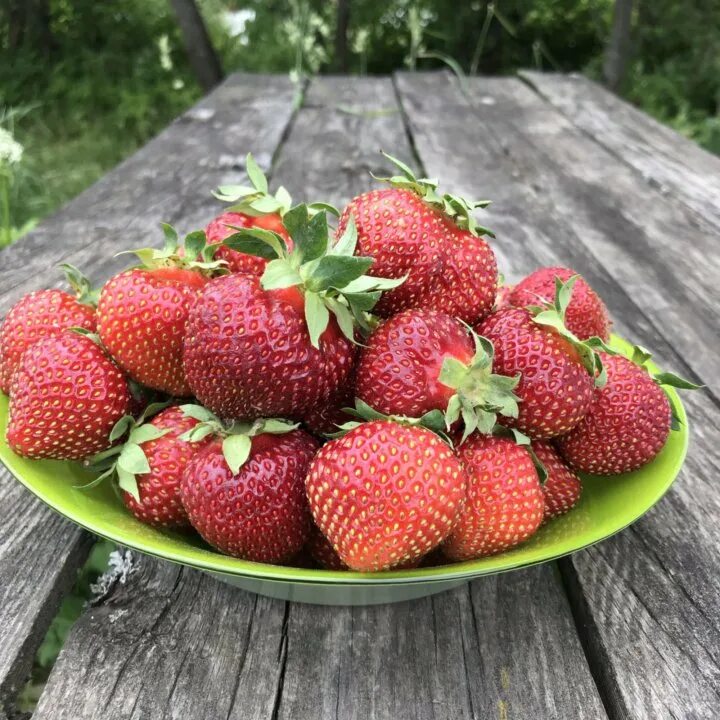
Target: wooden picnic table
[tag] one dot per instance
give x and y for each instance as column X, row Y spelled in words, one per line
column 629, row 628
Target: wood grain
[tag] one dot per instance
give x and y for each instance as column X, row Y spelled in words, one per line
column 655, row 586
column 171, row 179
column 676, row 166
column 502, row 647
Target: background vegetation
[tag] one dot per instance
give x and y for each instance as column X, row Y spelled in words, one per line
column 83, row 83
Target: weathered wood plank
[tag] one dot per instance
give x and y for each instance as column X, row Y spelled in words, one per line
column 170, row 178
column 170, row 643
column 670, row 162
column 39, row 557
column 465, row 654
column 503, row 646
column 671, row 558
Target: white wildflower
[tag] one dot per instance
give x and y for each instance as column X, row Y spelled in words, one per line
column 164, row 49
column 11, row 151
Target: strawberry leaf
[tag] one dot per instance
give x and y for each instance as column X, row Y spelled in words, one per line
column 198, row 412
column 336, row 271
column 255, row 174
column 673, row 380
column 256, row 241
column 236, row 451
column 132, row 460
column 310, row 235
column 348, row 240
column 279, row 274
column 317, row 317
column 128, row 483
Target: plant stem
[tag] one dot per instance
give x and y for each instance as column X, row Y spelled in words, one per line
column 489, row 15
column 6, row 237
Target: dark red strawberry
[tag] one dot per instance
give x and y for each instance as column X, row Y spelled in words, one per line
column 282, row 344
column 150, row 462
column 257, row 510
column 65, row 398
column 421, row 361
column 629, row 419
column 505, row 502
column 325, row 418
column 143, row 312
column 586, row 315
column 562, row 488
column 557, row 371
column 385, row 493
column 322, row 552
column 411, row 230
column 44, row 313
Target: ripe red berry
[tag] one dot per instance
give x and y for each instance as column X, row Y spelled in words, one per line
column 40, row 314
column 259, row 513
column 142, row 316
column 505, row 502
column 555, row 388
column 167, row 457
column 627, row 424
column 248, row 352
column 586, row 315
column 409, row 229
column 385, row 493
column 322, row 552
column 562, row 488
column 65, row 398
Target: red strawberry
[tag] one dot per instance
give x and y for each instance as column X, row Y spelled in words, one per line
column 40, row 314
column 281, row 344
column 505, row 502
column 562, row 486
column 258, row 511
column 586, row 315
column 322, row 552
column 628, row 422
column 143, row 312
column 224, row 226
column 385, row 493
column 65, row 398
column 434, row 240
column 325, row 418
column 150, row 464
column 557, row 371
column 421, row 361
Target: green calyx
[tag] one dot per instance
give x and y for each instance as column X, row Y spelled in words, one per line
column 126, row 460
column 236, row 436
column 480, row 395
column 196, row 253
column 332, row 279
column 433, row 420
column 84, row 291
column 553, row 315
column 254, row 200
column 458, row 208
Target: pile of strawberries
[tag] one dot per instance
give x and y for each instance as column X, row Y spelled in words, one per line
column 359, row 398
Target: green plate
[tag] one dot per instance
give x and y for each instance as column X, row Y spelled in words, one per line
column 608, row 505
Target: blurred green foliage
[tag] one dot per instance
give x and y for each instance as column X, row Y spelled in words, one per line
column 94, row 80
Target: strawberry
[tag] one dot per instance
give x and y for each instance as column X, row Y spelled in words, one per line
column 411, row 230
column 586, row 315
column 65, row 398
column 421, row 361
column 629, row 419
column 385, row 493
column 245, row 493
column 150, row 463
column 562, row 486
column 44, row 313
column 325, row 418
column 142, row 312
column 252, row 207
column 505, row 502
column 558, row 371
column 322, row 552
column 282, row 344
